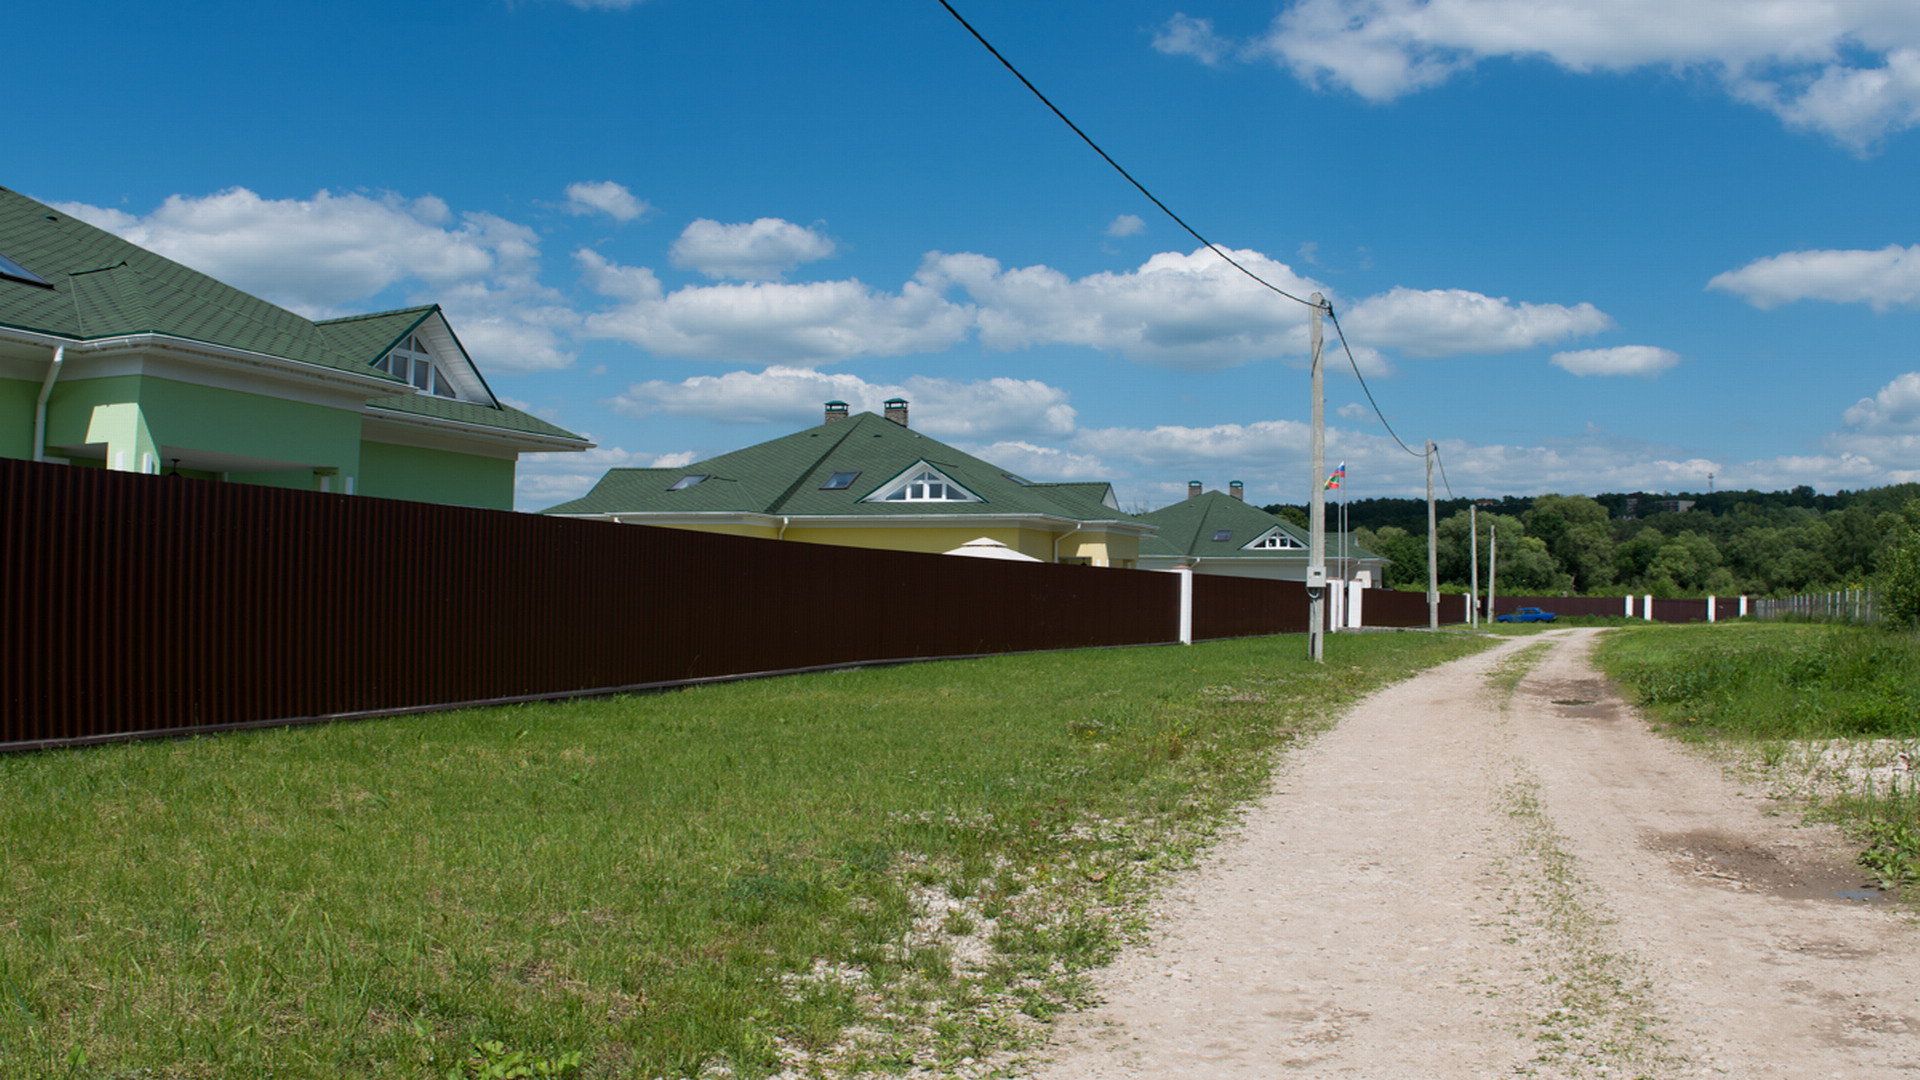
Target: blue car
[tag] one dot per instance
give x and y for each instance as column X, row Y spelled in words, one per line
column 1526, row 614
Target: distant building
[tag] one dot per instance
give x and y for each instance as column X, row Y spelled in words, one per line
column 1218, row 533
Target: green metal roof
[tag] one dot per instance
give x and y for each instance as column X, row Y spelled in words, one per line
column 1188, row 527
column 784, row 477
column 101, row 286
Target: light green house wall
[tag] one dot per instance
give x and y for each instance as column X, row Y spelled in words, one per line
column 442, row 476
column 17, row 398
column 130, row 417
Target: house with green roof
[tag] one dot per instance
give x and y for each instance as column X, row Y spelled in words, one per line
column 1221, row 533
column 114, row 357
column 867, row 480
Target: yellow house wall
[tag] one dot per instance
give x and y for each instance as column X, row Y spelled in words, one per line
column 758, row 532
column 1099, row 548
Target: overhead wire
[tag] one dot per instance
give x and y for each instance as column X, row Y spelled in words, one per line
column 1108, row 158
column 1325, row 305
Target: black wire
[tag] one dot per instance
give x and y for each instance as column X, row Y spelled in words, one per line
column 1142, row 188
column 1355, row 364
column 1443, row 470
column 1324, row 305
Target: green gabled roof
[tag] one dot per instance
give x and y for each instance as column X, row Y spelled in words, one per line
column 504, row 417
column 784, row 477
column 103, row 286
column 374, row 335
column 1188, row 527
column 99, row 286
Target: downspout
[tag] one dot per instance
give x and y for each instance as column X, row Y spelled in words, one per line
column 1062, row 536
column 40, row 406
column 783, row 528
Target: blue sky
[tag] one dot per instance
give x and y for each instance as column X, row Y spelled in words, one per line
column 1584, row 245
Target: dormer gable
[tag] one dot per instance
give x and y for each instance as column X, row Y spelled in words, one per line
column 1274, row 539
column 922, row 482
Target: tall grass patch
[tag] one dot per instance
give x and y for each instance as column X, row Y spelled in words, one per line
column 867, row 869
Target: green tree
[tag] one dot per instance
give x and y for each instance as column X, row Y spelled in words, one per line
column 1405, row 553
column 1899, row 569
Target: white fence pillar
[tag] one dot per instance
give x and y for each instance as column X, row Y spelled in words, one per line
column 1743, row 607
column 1629, row 611
column 1186, row 604
column 1648, row 609
column 1710, row 609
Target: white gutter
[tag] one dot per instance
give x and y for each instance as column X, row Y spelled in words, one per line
column 40, row 406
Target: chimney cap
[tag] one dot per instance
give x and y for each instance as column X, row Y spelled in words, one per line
column 832, row 404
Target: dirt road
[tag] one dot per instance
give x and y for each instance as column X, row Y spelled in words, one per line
column 1472, row 879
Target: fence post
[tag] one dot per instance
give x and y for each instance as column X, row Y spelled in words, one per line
column 1710, row 609
column 1648, row 609
column 1743, row 607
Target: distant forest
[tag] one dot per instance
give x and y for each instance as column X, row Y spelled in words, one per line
column 1762, row 543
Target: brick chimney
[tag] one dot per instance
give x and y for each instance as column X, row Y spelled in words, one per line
column 896, row 410
column 1193, row 489
column 1236, row 489
column 836, row 411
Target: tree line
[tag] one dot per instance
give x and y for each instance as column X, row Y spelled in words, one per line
column 1725, row 543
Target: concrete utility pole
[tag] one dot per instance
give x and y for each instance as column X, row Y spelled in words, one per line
column 1493, row 565
column 1433, row 550
column 1317, row 514
column 1473, row 546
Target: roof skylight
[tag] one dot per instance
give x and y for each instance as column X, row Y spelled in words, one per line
column 11, row 269
column 840, row 481
column 688, row 481
column 1223, row 536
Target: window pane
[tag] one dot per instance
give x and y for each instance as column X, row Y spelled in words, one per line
column 422, row 374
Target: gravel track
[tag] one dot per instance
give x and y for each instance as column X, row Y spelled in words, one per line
column 1467, row 878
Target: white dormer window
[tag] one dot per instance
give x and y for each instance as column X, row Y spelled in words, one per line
column 923, row 483
column 1275, row 539
column 413, row 361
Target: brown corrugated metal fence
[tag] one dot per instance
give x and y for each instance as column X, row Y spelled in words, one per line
column 135, row 604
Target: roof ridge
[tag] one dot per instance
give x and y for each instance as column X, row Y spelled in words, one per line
column 422, row 308
column 801, row 478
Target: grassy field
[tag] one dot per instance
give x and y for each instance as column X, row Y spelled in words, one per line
column 849, row 871
column 1826, row 713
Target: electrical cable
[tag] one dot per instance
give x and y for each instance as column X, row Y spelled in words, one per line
column 1443, row 470
column 1142, row 188
column 1355, row 364
column 1324, row 305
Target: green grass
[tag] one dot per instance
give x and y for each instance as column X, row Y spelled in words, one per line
column 862, row 869
column 1765, row 680
column 1831, row 708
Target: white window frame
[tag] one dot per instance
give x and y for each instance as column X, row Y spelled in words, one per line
column 413, row 362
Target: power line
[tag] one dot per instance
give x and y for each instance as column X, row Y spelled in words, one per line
column 1108, row 158
column 1438, row 460
column 1355, row 364
column 1326, row 306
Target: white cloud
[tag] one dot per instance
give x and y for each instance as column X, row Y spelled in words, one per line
column 1885, row 430
column 1847, row 68
column 1442, row 322
column 1895, row 408
column 770, row 322
column 1353, row 410
column 543, row 480
column 605, row 197
column 336, row 254
column 761, row 250
column 943, row 408
column 1041, row 463
column 1189, row 311
column 1184, row 35
column 1126, row 225
column 1886, row 279
column 1646, row 360
column 316, row 255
